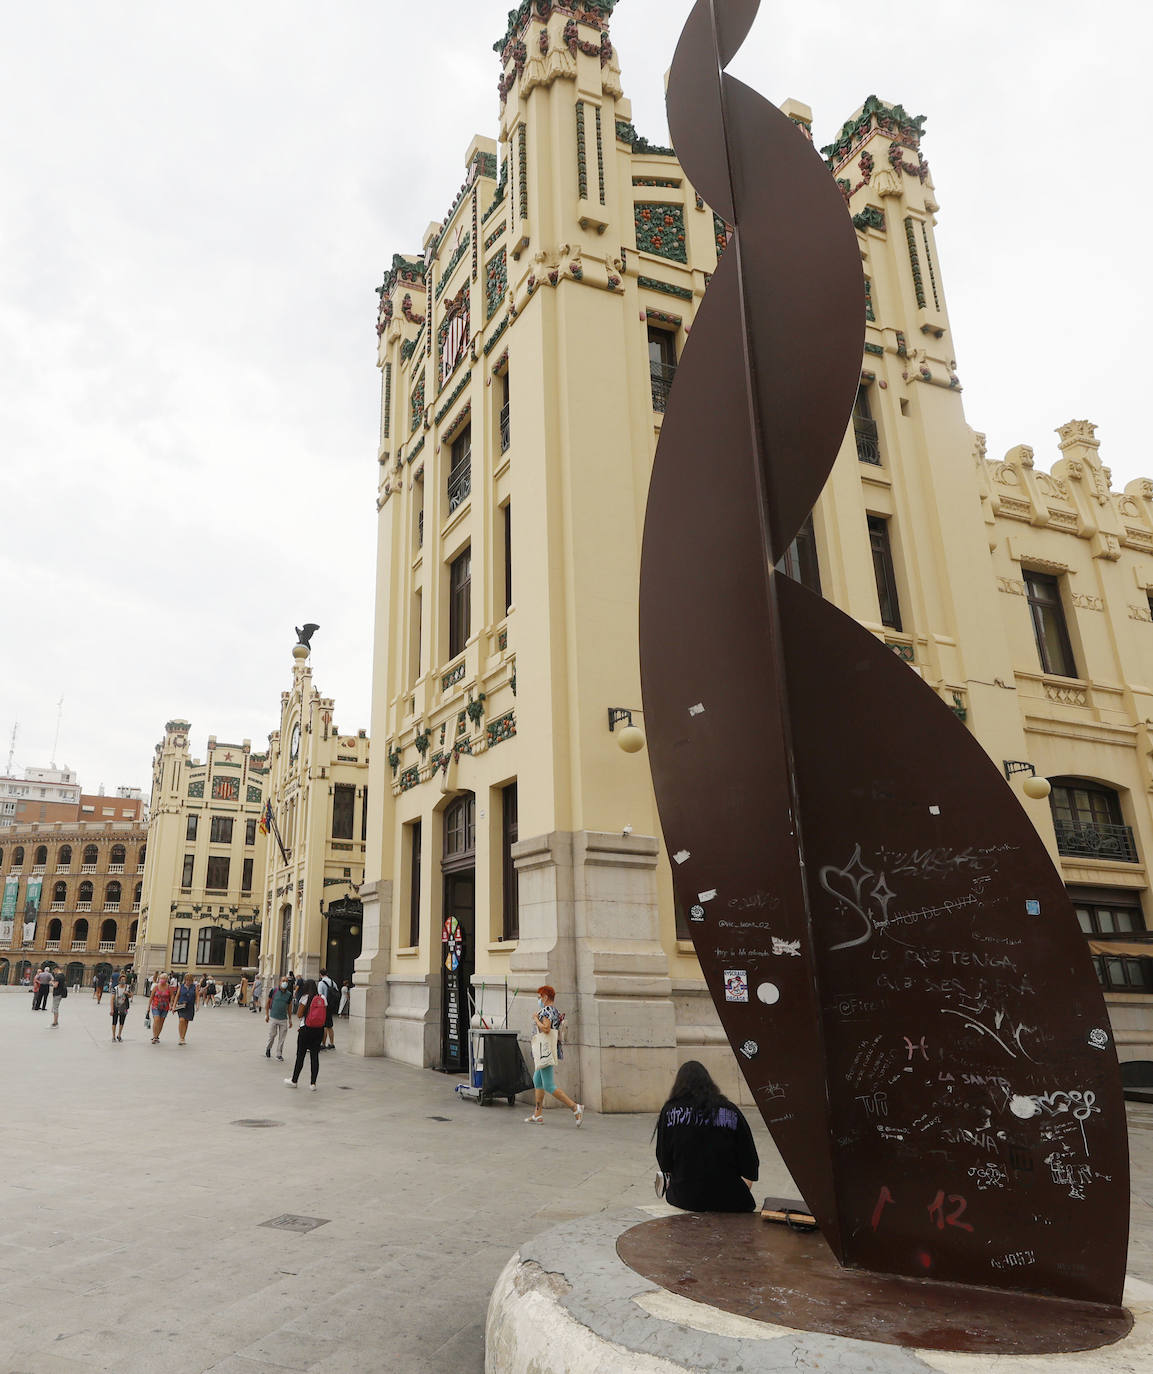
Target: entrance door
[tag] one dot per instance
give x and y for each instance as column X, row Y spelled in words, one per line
column 458, row 929
column 344, row 939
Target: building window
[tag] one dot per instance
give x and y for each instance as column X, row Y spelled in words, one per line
column 217, row 879
column 1049, row 628
column 18, row 856
column 510, row 926
column 343, row 806
column 884, row 572
column 40, row 858
column 662, row 365
column 865, row 429
column 507, row 511
column 246, row 876
column 1115, row 926
column 64, row 858
column 186, row 875
column 112, row 897
column 90, row 858
column 250, row 830
column 505, row 433
column 118, row 855
column 459, row 602
column 190, row 827
column 460, row 470
column 460, row 827
column 143, row 852
column 210, row 946
column 1088, row 821
column 414, row 885
column 364, row 816
column 800, row 559
column 180, row 939
column 59, row 893
column 220, row 830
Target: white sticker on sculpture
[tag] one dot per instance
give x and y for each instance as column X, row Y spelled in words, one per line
column 1098, row 1039
column 768, row 993
column 697, row 710
column 750, row 1049
column 792, row 947
column 934, row 810
column 696, row 913
column 681, row 855
column 707, row 896
column 736, row 985
column 1024, row 1107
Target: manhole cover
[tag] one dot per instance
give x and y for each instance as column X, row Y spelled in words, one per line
column 440, row 1118
column 256, row 1121
column 290, row 1223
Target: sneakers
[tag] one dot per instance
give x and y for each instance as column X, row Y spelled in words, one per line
column 268, row 1052
column 579, row 1113
column 290, row 1083
column 534, row 1120
column 281, row 1058
column 312, row 1087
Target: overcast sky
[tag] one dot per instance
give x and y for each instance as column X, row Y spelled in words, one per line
column 197, row 202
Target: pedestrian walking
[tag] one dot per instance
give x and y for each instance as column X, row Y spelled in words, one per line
column 242, row 993
column 185, row 1005
column 98, row 987
column 345, row 998
column 546, row 1052
column 312, row 1009
column 278, row 1017
column 331, row 993
column 159, row 1006
column 59, row 992
column 704, row 1146
column 121, row 1001
column 257, row 993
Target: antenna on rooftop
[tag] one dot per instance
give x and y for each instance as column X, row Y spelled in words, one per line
column 12, row 747
column 56, row 740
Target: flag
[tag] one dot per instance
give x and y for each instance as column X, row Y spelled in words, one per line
column 266, row 818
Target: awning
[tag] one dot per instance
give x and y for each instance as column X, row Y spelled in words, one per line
column 247, row 932
column 1128, row 949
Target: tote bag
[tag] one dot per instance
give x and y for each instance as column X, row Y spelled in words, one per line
column 544, row 1050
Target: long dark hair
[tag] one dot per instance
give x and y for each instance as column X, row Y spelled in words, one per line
column 694, row 1087
column 305, row 989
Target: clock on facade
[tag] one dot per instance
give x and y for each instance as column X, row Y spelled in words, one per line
column 294, row 742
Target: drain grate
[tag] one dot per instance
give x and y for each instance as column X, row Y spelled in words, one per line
column 256, row 1121
column 288, row 1222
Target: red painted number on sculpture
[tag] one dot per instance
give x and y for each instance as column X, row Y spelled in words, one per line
column 882, row 1201
column 937, row 1211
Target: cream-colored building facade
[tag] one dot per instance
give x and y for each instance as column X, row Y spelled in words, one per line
column 526, row 357
column 204, row 871
column 317, row 782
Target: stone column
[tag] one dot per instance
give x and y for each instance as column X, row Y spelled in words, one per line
column 369, row 1004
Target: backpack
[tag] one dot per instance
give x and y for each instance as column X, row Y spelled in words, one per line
column 316, row 1012
column 329, row 991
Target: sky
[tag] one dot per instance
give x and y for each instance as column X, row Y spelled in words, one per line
column 197, row 203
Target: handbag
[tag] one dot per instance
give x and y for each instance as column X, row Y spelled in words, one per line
column 544, row 1049
column 147, row 1017
column 660, row 1183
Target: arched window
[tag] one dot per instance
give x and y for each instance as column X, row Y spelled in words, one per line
column 1088, row 821
column 91, row 854
column 85, row 893
column 41, row 857
column 117, row 855
column 143, row 851
column 460, row 828
column 55, row 926
column 136, row 895
column 80, row 933
column 60, row 892
column 107, row 932
column 112, row 895
column 64, row 858
column 132, row 932
column 18, row 856
column 1, row 856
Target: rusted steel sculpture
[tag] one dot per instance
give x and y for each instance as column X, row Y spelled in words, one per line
column 893, row 956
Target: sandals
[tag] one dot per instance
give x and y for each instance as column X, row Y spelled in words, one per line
column 534, row 1120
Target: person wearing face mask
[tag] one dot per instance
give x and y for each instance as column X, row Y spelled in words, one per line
column 278, row 1015
column 545, row 1053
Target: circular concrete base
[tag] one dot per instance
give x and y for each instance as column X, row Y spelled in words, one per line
column 568, row 1304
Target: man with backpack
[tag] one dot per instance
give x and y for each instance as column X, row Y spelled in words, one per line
column 329, row 990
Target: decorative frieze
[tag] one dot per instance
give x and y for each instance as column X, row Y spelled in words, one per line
column 452, row 677
column 871, row 217
column 1066, row 696
column 1085, row 602
column 1012, row 585
column 875, row 349
column 914, row 262
column 627, row 134
column 582, row 158
column 196, row 789
column 416, row 405
column 494, row 336
column 869, row 301
column 387, row 399
column 409, row 778
column 661, row 230
column 655, row 284
column 444, row 408
column 522, row 170
column 495, row 282
column 504, row 727
column 253, row 794
column 1143, row 613
column 600, row 153
column 457, row 253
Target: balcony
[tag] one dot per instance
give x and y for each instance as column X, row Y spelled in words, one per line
column 78, row 946
column 135, row 906
column 87, row 868
column 111, row 906
column 52, row 945
column 38, row 868
column 661, row 375
column 63, row 868
column 504, row 428
column 116, row 868
column 83, row 906
column 1113, row 842
column 57, row 906
column 868, row 445
column 106, row 946
column 459, row 486
column 132, row 947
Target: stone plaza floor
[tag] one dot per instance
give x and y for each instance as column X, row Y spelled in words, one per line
column 135, row 1201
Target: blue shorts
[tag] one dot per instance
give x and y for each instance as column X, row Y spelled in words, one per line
column 543, row 1078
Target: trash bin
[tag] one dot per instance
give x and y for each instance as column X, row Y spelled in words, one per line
column 500, row 1065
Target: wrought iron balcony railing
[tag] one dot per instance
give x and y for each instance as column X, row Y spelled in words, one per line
column 459, row 486
column 868, row 445
column 661, row 375
column 1096, row 841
